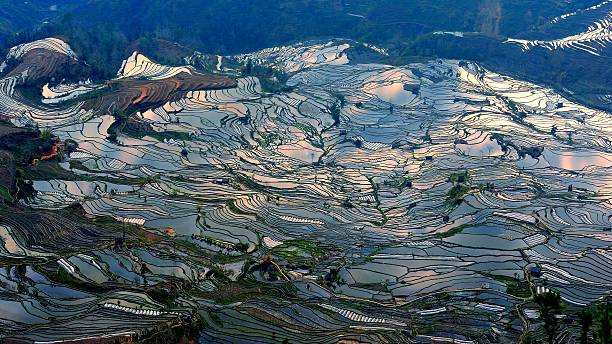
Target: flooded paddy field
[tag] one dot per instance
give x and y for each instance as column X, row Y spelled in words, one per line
column 369, row 202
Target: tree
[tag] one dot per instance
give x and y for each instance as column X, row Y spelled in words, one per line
column 45, row 134
column 586, row 320
column 604, row 312
column 241, row 247
column 248, row 68
column 550, row 306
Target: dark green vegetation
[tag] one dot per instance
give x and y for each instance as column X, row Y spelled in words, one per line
column 22, row 15
column 459, row 189
column 228, row 26
column 19, row 148
column 271, row 80
column 593, row 324
column 453, row 231
column 300, row 253
column 586, row 320
column 604, row 316
column 550, row 306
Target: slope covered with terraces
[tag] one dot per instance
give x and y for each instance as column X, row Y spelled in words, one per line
column 595, row 37
column 427, row 202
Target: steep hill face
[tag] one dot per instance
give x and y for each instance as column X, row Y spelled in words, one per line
column 229, row 26
column 39, row 61
column 143, row 84
column 578, row 48
column 17, row 16
column 490, row 15
column 427, row 194
column 571, row 52
column 139, row 83
column 587, row 30
column 579, row 20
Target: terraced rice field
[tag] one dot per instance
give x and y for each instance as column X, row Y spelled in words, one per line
column 396, row 204
column 594, row 40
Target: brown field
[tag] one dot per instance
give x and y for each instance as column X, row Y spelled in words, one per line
column 127, row 96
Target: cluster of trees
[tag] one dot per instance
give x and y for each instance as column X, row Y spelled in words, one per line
column 603, row 332
column 271, row 80
column 551, row 307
